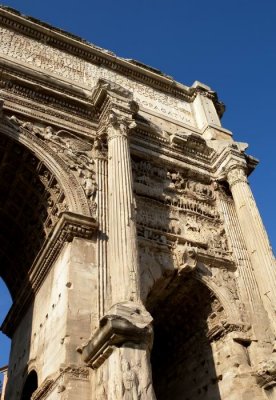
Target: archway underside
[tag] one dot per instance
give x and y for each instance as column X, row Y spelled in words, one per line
column 31, row 201
column 182, row 359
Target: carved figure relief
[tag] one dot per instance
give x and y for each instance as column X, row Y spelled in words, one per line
column 225, row 278
column 185, row 258
column 153, row 264
column 182, row 206
column 75, row 151
column 130, row 382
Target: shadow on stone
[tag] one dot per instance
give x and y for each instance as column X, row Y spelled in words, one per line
column 182, row 358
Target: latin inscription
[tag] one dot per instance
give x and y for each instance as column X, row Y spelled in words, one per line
column 73, row 68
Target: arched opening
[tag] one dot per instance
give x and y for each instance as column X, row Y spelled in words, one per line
column 5, row 304
column 186, row 320
column 30, row 386
column 31, row 200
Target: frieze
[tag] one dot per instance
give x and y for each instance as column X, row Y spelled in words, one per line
column 18, row 104
column 173, row 187
column 56, row 100
column 172, row 206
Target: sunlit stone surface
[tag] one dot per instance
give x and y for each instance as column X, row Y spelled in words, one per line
column 131, row 243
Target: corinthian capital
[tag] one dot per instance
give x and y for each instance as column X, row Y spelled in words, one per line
column 236, row 174
column 118, row 125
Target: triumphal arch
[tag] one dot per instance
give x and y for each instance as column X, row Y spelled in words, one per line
column 131, row 243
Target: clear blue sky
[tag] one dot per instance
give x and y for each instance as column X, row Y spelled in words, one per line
column 228, row 45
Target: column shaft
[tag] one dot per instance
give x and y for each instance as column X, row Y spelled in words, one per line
column 123, row 260
column 256, row 238
column 101, row 169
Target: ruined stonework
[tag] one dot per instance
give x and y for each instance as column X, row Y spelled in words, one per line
column 131, row 243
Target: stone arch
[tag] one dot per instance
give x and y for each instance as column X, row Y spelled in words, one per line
column 43, row 177
column 231, row 311
column 186, row 321
column 30, row 385
column 74, row 192
column 159, row 272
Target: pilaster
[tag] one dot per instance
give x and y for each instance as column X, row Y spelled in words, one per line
column 101, row 167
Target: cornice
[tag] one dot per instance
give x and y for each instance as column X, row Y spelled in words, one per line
column 69, row 226
column 74, row 45
column 22, row 84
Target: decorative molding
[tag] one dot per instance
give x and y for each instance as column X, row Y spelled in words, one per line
column 78, row 47
column 124, row 323
column 75, row 152
column 73, row 372
column 236, row 174
column 68, row 227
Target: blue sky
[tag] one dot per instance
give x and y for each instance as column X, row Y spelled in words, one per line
column 228, row 45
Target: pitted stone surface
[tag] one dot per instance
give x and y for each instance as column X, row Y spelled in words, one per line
column 130, row 240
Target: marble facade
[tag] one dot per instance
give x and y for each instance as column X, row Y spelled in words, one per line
column 131, row 243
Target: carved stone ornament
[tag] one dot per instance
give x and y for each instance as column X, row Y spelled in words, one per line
column 266, row 374
column 125, row 322
column 172, row 206
column 186, row 258
column 236, row 174
column 118, row 125
column 76, row 152
column 57, row 382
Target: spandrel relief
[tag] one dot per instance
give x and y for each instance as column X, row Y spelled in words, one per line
column 76, row 152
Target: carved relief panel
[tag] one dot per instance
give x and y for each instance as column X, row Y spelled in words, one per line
column 76, row 152
column 172, row 207
column 178, row 223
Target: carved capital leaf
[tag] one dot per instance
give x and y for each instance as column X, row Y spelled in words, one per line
column 236, row 174
column 118, row 125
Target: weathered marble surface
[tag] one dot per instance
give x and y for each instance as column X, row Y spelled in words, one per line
column 130, row 239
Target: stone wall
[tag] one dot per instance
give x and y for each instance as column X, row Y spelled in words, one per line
column 153, row 277
column 59, row 320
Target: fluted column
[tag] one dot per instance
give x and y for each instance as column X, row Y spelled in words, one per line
column 119, row 350
column 100, row 156
column 123, row 259
column 255, row 236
